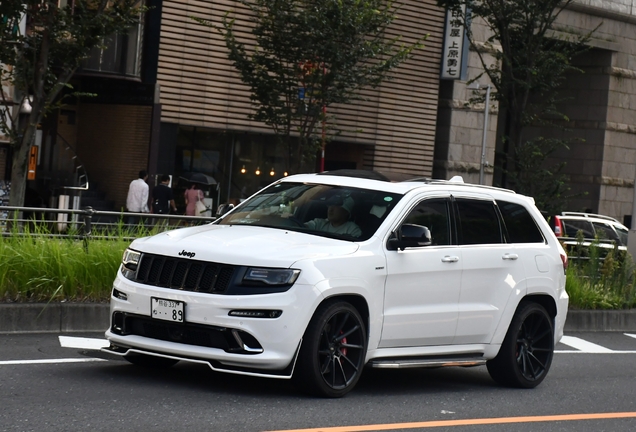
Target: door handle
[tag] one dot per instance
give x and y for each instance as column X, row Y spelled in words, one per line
column 510, row 256
column 450, row 259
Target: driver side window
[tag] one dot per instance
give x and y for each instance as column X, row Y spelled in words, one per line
column 434, row 215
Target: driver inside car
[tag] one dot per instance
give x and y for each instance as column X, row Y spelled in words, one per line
column 337, row 221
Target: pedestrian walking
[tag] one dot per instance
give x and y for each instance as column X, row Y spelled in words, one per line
column 192, row 195
column 162, row 197
column 137, row 200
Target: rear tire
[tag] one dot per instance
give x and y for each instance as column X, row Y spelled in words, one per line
column 333, row 351
column 526, row 353
column 149, row 361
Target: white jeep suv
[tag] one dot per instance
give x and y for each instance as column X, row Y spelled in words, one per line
column 318, row 275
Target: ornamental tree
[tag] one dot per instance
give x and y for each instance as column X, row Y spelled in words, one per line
column 532, row 57
column 39, row 57
column 302, row 56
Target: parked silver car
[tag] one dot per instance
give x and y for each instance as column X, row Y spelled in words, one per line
column 609, row 231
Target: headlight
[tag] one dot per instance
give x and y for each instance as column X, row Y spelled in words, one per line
column 270, row 277
column 129, row 261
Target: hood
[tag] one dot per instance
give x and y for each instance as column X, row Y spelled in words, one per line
column 243, row 245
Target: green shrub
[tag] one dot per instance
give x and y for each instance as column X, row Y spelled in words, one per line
column 36, row 264
column 595, row 281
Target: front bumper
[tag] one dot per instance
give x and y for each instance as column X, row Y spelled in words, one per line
column 210, row 334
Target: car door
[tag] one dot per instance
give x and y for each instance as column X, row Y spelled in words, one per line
column 491, row 269
column 423, row 283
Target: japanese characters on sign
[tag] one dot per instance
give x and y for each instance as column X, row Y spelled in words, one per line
column 33, row 163
column 452, row 55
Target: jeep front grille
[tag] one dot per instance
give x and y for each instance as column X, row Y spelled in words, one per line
column 184, row 274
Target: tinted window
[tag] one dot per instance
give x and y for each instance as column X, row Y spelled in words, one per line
column 622, row 235
column 573, row 226
column 478, row 222
column 520, row 225
column 433, row 214
column 604, row 231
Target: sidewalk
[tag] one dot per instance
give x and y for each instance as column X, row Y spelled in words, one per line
column 88, row 317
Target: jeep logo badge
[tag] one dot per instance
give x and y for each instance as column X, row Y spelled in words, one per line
column 187, row 254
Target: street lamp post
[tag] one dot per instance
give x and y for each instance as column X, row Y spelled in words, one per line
column 482, row 163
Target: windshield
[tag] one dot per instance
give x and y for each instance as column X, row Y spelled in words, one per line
column 329, row 211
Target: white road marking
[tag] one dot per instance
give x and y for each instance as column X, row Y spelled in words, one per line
column 584, row 346
column 82, row 342
column 45, row 361
column 588, row 352
column 580, row 346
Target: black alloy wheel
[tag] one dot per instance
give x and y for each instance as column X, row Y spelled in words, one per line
column 333, row 351
column 526, row 353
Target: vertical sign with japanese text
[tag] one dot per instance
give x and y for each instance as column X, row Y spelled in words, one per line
column 33, row 163
column 453, row 53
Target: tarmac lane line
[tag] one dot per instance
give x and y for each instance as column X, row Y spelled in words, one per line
column 67, row 342
column 82, row 342
column 585, row 352
column 630, row 335
column 49, row 361
column 584, row 346
column 468, row 422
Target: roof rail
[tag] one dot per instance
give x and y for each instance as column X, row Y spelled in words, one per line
column 457, row 180
column 582, row 214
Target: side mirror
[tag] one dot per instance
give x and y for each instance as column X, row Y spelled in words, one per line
column 224, row 208
column 409, row 235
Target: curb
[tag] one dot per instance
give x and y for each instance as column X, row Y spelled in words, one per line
column 53, row 317
column 89, row 317
column 601, row 320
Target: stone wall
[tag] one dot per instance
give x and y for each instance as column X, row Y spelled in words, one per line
column 460, row 126
column 616, row 37
column 601, row 111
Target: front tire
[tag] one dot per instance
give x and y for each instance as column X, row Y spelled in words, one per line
column 333, row 351
column 525, row 356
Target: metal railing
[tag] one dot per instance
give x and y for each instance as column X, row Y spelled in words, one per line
column 89, row 223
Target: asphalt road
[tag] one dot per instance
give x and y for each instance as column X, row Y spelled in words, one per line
column 44, row 387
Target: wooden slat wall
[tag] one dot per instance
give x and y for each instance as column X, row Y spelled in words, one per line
column 200, row 87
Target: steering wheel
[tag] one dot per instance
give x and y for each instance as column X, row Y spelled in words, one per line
column 292, row 221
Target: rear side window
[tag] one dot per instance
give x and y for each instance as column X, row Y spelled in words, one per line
column 477, row 222
column 604, row 231
column 573, row 226
column 622, row 235
column 520, row 225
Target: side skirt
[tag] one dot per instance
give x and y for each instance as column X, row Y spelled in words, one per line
column 428, row 361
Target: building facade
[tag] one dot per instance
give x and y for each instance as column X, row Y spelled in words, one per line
column 601, row 109
column 172, row 103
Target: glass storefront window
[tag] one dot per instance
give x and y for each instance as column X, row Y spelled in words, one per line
column 119, row 53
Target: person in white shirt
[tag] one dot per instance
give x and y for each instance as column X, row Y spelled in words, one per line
column 337, row 221
column 137, row 200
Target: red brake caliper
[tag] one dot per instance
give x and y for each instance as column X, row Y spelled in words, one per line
column 344, row 341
